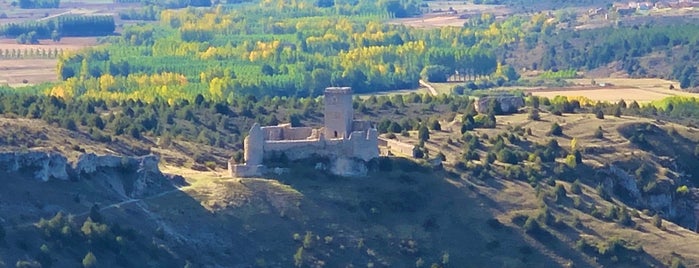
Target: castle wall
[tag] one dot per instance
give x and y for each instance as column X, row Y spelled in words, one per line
column 272, row 133
column 397, row 147
column 297, row 133
column 360, row 144
column 244, row 170
column 364, row 144
column 359, row 125
column 286, row 132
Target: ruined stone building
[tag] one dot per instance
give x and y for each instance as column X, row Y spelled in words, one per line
column 346, row 142
column 508, row 103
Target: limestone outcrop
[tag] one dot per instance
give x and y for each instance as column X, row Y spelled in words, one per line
column 663, row 199
column 43, row 166
column 144, row 176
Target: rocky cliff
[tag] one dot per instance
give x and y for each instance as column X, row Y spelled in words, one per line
column 663, row 199
column 142, row 175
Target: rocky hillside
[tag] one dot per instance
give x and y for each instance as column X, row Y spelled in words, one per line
column 622, row 205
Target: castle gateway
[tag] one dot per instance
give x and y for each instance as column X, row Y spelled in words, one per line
column 342, row 139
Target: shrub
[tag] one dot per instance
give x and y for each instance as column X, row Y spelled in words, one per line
column 423, row 133
column 599, row 133
column 534, row 114
column 676, row 263
column 575, row 187
column 624, row 217
column 571, row 162
column 90, row 260
column 490, row 158
column 210, row 165
column 611, row 213
column 434, row 125
column 507, row 156
column 599, row 114
column 556, row 130
column 559, row 192
column 531, row 226
column 298, row 257
column 657, row 221
column 308, row 240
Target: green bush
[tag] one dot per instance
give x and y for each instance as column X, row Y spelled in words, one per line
column 575, row 187
column 599, row 114
column 657, row 221
column 90, row 260
column 599, row 134
column 534, row 115
column 556, row 130
column 507, row 156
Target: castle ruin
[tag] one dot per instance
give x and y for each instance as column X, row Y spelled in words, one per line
column 342, row 139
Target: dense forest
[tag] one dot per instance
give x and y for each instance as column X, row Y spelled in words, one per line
column 627, row 45
column 276, row 49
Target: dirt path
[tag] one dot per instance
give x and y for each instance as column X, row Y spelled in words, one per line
column 429, row 87
column 114, row 205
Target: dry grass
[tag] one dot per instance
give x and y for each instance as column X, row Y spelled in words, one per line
column 435, row 19
column 630, row 89
column 515, row 198
column 35, row 71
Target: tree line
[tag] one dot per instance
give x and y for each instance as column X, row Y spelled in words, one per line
column 67, row 25
column 224, row 52
column 31, row 4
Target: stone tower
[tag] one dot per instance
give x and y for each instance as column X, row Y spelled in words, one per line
column 254, row 146
column 338, row 112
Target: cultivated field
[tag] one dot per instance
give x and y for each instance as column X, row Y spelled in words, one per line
column 36, row 70
column 439, row 15
column 615, row 89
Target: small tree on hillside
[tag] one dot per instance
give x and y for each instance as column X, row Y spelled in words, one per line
column 90, row 260
column 423, row 133
column 617, row 111
column 599, row 133
column 534, row 115
column 556, row 130
column 657, row 221
column 434, row 125
column 599, row 114
column 95, row 214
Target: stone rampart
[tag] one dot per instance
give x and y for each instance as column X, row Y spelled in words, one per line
column 396, row 147
column 286, row 132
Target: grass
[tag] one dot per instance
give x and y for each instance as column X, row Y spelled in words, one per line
column 445, row 88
